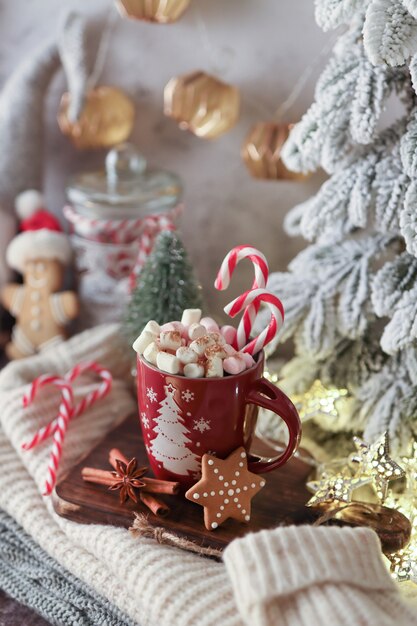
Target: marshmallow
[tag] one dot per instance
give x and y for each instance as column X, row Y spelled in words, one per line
column 143, row 341
column 217, row 338
column 151, row 352
column 209, row 324
column 152, row 327
column 230, row 351
column 234, row 365
column 168, row 363
column 248, row 358
column 168, row 326
column 201, row 344
column 193, row 370
column 191, row 316
column 214, row 367
column 216, row 351
column 186, row 355
column 195, row 331
column 178, row 326
column 170, row 340
column 229, row 333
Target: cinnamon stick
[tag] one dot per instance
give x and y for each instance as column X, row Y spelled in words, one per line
column 116, row 455
column 156, row 506
column 152, row 485
column 101, row 477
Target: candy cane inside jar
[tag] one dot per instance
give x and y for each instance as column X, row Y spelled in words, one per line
column 257, row 297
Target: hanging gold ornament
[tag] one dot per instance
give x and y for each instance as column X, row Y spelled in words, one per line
column 202, row 104
column 159, row 11
column 105, row 120
column 261, row 151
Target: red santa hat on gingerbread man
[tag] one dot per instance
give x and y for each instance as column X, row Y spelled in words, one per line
column 41, row 237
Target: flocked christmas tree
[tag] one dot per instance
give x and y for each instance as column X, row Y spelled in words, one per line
column 166, row 286
column 170, row 444
column 351, row 296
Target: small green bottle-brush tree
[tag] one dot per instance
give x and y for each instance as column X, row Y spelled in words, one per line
column 166, row 286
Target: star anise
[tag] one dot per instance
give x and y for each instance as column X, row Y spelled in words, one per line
column 127, row 479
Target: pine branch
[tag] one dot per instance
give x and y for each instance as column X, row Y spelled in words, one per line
column 332, row 13
column 390, row 32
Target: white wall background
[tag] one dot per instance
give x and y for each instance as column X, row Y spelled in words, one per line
column 262, row 46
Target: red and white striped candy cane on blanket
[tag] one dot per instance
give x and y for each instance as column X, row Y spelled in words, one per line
column 67, row 411
column 259, row 296
column 222, row 282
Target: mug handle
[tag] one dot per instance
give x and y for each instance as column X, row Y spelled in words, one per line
column 268, row 396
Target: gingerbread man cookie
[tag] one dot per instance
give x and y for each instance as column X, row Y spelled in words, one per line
column 40, row 253
column 225, row 489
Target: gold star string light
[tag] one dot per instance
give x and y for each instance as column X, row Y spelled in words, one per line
column 410, row 467
column 403, row 563
column 374, row 461
column 271, row 376
column 318, row 400
column 337, row 488
column 375, row 465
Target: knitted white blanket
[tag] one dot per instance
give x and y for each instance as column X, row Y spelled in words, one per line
column 306, row 574
column 151, row 583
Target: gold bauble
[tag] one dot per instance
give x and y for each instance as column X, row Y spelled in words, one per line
column 106, row 119
column 261, row 151
column 160, row 11
column 202, row 104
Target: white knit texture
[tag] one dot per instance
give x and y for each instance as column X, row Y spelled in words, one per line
column 153, row 584
column 309, row 576
column 297, row 576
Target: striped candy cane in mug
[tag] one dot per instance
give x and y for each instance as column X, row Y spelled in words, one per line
column 259, row 296
column 260, row 265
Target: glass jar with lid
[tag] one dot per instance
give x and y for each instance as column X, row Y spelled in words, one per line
column 114, row 215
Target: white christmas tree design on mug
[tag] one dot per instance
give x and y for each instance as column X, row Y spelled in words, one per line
column 170, row 444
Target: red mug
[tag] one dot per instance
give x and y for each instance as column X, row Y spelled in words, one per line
column 183, row 418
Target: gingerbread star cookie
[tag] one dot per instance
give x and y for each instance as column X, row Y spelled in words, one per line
column 225, row 489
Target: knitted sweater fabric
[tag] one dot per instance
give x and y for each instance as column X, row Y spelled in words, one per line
column 36, row 580
column 294, row 576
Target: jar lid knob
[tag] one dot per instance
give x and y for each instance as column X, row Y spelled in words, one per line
column 124, row 162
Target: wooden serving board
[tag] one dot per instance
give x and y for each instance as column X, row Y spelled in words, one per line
column 281, row 501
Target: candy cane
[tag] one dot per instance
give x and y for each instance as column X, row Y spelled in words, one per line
column 114, row 230
column 67, row 411
column 48, row 430
column 153, row 225
column 257, row 296
column 224, row 275
column 97, row 394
